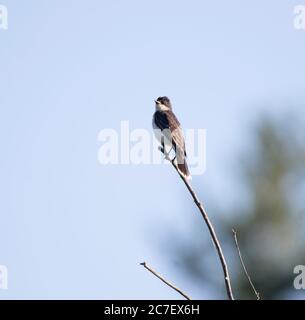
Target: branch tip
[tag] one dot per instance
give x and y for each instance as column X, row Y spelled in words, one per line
column 164, row 280
column 244, row 266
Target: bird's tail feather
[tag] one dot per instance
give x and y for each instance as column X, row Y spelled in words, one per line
column 182, row 165
column 183, row 168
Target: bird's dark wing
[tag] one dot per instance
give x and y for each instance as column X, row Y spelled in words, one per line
column 168, row 120
column 161, row 120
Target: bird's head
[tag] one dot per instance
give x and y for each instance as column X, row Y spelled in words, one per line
column 163, row 104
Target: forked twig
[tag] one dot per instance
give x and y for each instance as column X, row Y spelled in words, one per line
column 243, row 265
column 209, row 225
column 165, row 281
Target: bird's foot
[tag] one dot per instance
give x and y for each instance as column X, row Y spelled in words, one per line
column 162, row 149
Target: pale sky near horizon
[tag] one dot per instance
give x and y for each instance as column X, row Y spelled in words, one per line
column 71, row 228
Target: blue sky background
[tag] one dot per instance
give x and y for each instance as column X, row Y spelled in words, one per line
column 71, row 228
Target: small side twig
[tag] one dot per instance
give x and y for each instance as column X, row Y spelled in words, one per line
column 243, row 265
column 209, row 225
column 165, row 281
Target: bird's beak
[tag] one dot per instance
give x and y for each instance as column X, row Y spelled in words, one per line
column 157, row 102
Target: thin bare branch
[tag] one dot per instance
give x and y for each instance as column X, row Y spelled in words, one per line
column 165, row 281
column 209, row 225
column 243, row 265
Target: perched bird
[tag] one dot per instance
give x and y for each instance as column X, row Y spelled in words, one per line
column 168, row 131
